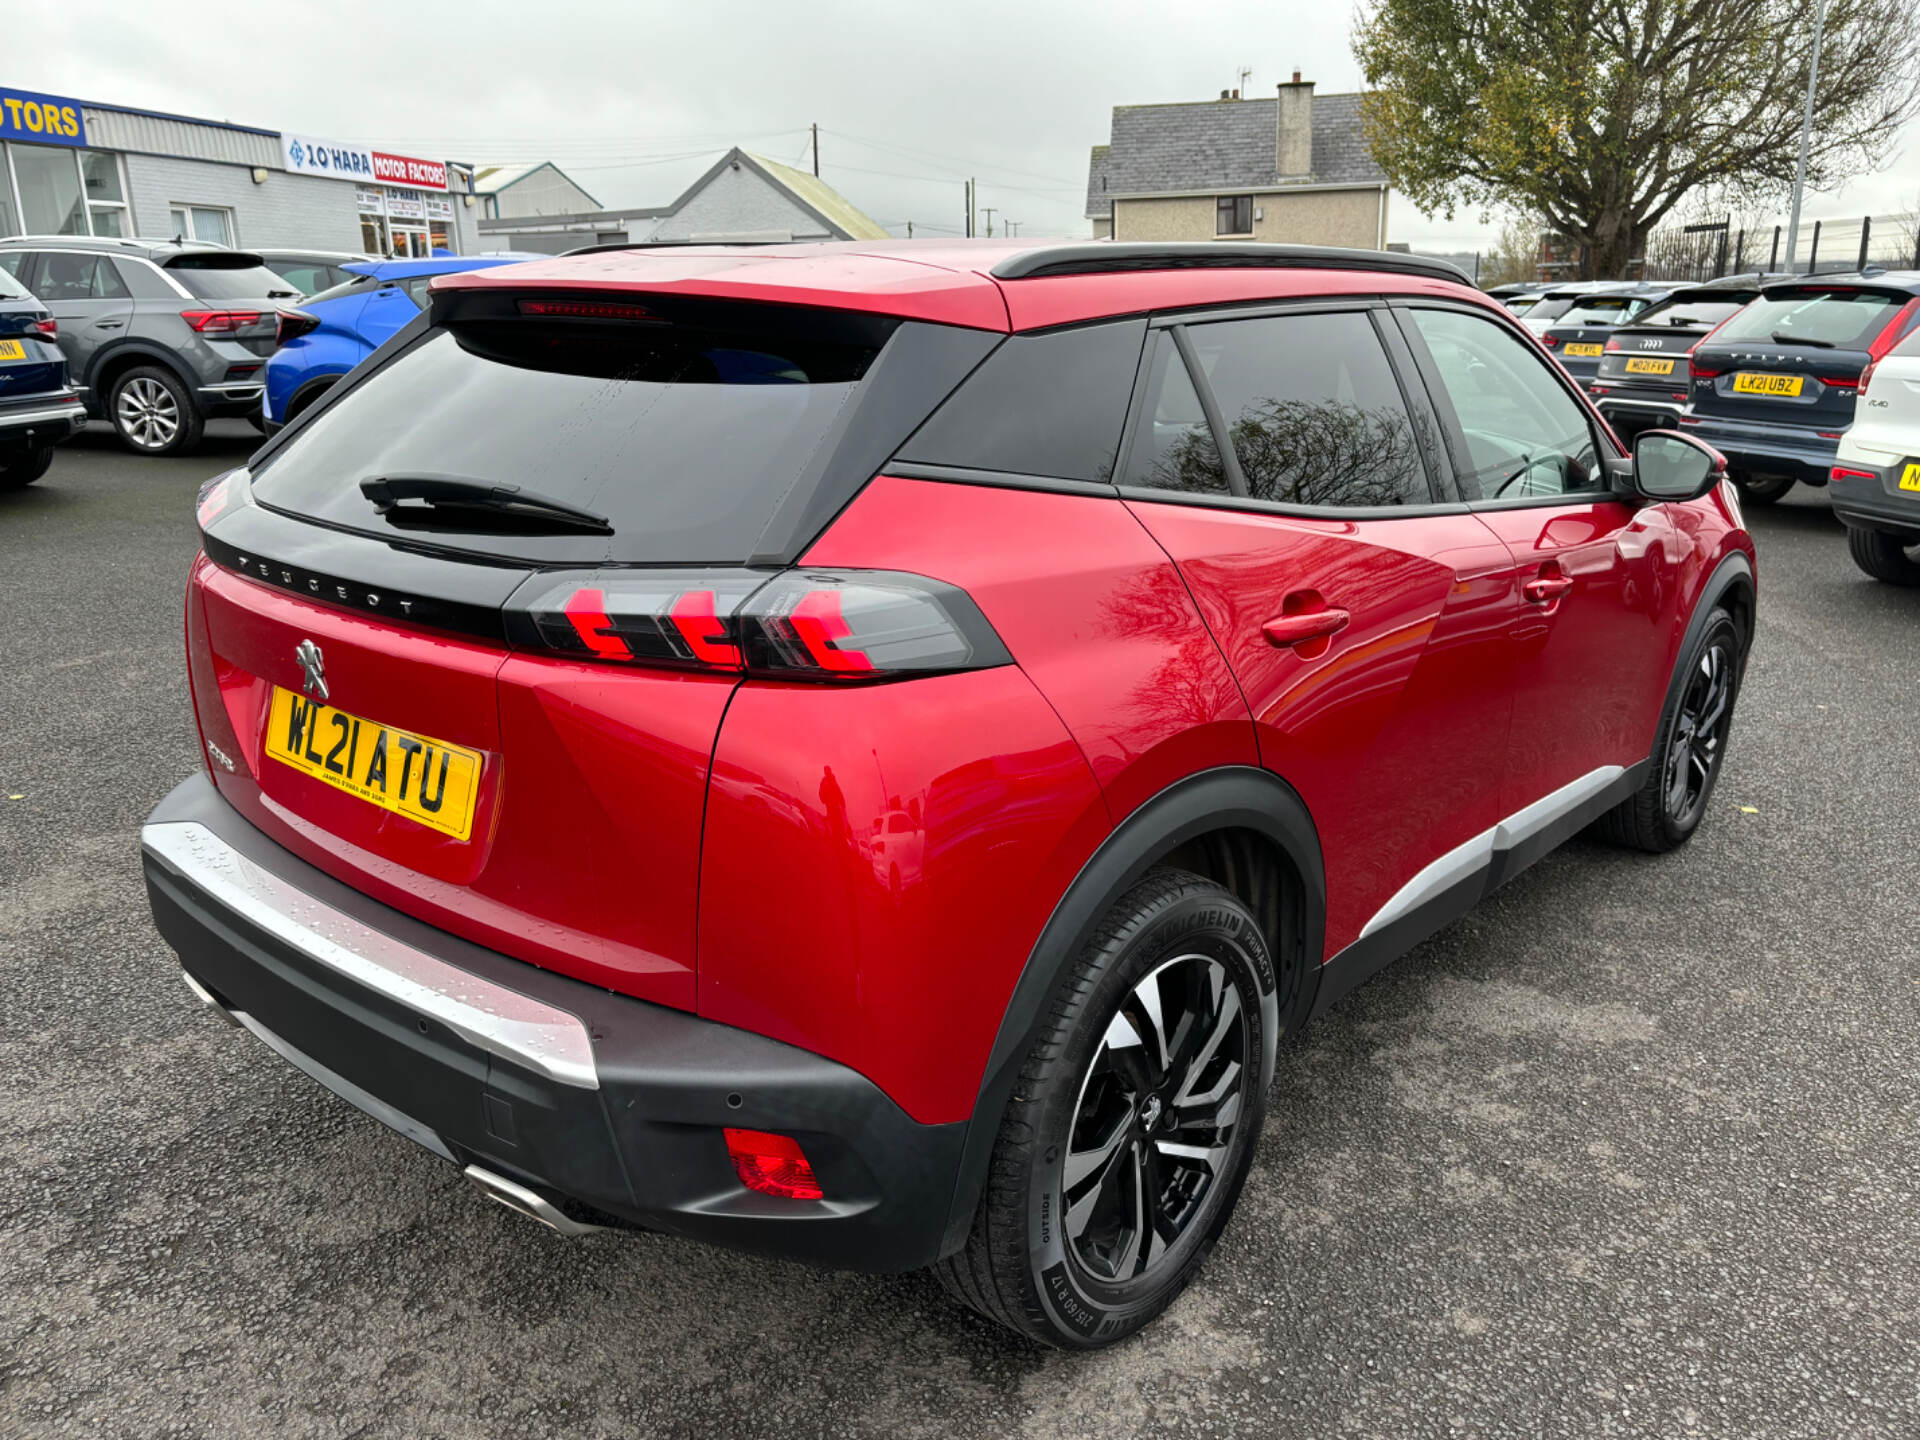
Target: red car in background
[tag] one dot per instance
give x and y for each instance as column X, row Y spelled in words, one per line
column 862, row 752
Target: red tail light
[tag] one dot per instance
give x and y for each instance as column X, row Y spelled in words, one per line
column 793, row 625
column 772, row 1164
column 1699, row 371
column 1612, row 346
column 1550, row 341
column 294, row 323
column 1842, row 472
column 48, row 327
column 1866, row 375
column 220, row 322
column 1892, row 332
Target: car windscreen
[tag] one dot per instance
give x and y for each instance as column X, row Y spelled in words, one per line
column 1520, row 304
column 214, row 276
column 685, row 439
column 1601, row 310
column 1694, row 313
column 1841, row 318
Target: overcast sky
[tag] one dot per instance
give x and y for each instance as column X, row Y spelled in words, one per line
column 635, row 99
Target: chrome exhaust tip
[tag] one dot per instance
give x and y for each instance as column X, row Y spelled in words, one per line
column 526, row 1202
column 207, row 998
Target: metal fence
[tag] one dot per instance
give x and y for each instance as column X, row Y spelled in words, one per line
column 1705, row 252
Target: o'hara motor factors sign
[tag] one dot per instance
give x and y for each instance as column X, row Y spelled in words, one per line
column 307, row 156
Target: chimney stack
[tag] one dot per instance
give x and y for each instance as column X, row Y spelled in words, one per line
column 1293, row 129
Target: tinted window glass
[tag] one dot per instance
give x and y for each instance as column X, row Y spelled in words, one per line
column 10, row 288
column 1607, row 310
column 1039, row 405
column 214, row 277
column 1843, row 319
column 303, row 275
column 1312, row 409
column 66, row 275
column 685, row 439
column 1172, row 445
column 14, row 262
column 1551, row 309
column 348, row 284
column 1688, row 312
column 1524, row 434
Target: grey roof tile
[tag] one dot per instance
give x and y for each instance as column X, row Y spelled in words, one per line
column 1222, row 144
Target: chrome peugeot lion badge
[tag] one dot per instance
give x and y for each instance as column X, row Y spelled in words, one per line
column 315, row 667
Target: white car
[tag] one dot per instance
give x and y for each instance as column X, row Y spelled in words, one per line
column 1875, row 482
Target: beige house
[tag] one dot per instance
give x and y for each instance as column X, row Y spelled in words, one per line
column 1294, row 168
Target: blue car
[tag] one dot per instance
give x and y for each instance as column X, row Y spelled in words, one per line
column 336, row 329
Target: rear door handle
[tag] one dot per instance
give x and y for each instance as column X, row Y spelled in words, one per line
column 1545, row 589
column 1284, row 631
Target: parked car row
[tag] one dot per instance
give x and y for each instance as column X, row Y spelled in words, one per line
column 1777, row 373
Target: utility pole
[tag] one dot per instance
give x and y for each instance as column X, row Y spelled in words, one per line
column 969, row 226
column 989, row 210
column 909, row 229
column 1012, row 227
column 1243, row 74
column 1806, row 130
column 816, row 147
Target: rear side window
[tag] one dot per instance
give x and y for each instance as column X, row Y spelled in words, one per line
column 1836, row 319
column 10, row 288
column 1049, row 404
column 65, row 276
column 686, row 439
column 214, row 276
column 1312, row 410
column 143, row 282
column 349, row 282
column 1173, row 446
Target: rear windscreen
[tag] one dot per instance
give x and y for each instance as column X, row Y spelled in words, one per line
column 1842, row 319
column 1550, row 309
column 685, row 440
column 1608, row 310
column 217, row 277
column 1690, row 312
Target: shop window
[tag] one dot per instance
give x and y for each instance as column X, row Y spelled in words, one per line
column 202, row 222
column 51, row 200
column 61, row 191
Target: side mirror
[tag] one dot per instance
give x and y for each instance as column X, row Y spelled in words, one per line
column 1670, row 466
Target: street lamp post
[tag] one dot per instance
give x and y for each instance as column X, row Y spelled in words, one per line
column 1806, row 131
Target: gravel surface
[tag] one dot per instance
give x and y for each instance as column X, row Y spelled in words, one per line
column 1632, row 1150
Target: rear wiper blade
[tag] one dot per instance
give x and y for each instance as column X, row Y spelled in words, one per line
column 1781, row 337
column 456, row 492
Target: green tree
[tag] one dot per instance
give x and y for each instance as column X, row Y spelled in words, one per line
column 1601, row 115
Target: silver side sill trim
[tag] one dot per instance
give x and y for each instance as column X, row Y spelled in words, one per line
column 503, row 1022
column 1463, row 860
column 235, row 389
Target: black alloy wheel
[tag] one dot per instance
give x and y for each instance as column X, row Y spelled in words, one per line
column 1698, row 742
column 1133, row 1121
column 1691, row 748
column 1156, row 1119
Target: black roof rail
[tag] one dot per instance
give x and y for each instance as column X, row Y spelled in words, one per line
column 660, row 245
column 1105, row 257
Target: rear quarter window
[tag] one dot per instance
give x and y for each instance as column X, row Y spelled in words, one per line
column 1050, row 405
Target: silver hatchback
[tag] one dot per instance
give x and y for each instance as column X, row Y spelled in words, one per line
column 160, row 335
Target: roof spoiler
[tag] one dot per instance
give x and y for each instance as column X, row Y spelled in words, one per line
column 1106, row 257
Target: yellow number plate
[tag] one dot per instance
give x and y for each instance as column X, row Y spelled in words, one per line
column 1585, row 351
column 429, row 781
column 12, row 350
column 1910, row 477
column 1751, row 384
column 1649, row 367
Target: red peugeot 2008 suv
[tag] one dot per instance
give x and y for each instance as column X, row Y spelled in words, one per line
column 861, row 752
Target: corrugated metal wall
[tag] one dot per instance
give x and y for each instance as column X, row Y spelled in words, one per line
column 119, row 130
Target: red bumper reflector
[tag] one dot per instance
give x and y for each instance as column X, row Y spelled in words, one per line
column 772, row 1164
column 1841, row 472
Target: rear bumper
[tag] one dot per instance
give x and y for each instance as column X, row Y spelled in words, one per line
column 42, row 419
column 602, row 1108
column 1879, row 503
column 232, row 397
column 1768, row 449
